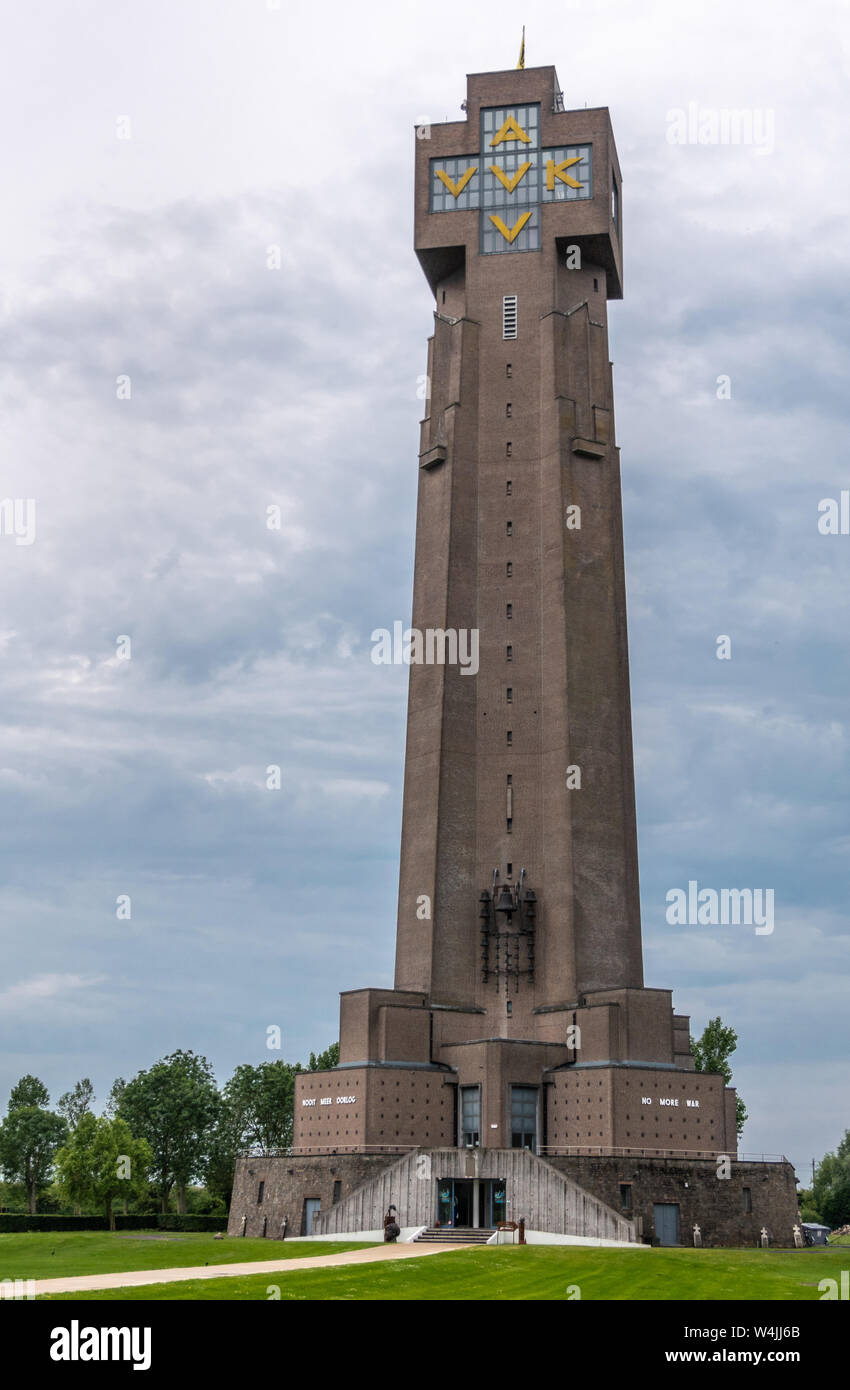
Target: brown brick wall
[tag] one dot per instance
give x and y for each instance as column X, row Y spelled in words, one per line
column 390, row 1108
column 288, row 1182
column 716, row 1204
column 631, row 1108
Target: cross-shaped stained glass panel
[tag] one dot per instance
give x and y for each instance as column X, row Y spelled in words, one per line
column 509, row 178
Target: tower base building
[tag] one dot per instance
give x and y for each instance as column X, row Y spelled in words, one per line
column 519, row 1068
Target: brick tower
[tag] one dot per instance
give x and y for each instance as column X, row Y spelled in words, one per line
column 518, row 962
column 519, row 1020
column 518, row 1065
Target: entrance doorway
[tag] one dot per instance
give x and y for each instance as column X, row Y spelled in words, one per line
column 456, row 1205
column 666, row 1221
column 311, row 1209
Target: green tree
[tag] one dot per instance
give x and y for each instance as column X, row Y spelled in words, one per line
column 121, row 1164
column 72, row 1163
column 113, row 1100
column 326, row 1060
column 808, row 1208
column 74, row 1104
column 102, row 1162
column 27, row 1092
column 259, row 1101
column 174, row 1107
column 29, row 1139
column 831, row 1187
column 222, row 1152
column 711, row 1053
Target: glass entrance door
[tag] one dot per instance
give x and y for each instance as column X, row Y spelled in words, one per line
column 493, row 1205
column 456, row 1202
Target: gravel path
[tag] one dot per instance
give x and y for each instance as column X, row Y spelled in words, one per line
column 372, row 1255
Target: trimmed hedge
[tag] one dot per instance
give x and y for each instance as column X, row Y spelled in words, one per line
column 159, row 1221
column 171, row 1221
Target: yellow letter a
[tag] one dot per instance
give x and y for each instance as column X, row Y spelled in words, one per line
column 510, row 131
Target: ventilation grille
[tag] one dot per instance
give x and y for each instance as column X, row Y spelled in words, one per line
column 509, row 316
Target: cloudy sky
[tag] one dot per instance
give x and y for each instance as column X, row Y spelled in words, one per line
column 153, row 154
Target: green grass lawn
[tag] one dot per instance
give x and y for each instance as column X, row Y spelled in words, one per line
column 56, row 1255
column 533, row 1273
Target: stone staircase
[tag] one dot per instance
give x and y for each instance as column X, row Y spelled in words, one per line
column 454, row 1235
column 548, row 1199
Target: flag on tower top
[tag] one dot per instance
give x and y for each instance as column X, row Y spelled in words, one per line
column 521, row 63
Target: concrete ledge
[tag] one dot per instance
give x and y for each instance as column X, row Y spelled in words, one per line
column 549, row 1238
column 590, row 448
column 433, row 457
column 408, row 1233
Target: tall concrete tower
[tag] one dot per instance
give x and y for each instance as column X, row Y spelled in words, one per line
column 519, row 1018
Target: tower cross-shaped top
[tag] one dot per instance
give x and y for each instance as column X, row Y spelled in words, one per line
column 510, row 177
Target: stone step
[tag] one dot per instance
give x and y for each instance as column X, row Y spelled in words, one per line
column 460, row 1235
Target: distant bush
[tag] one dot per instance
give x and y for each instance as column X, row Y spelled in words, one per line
column 171, row 1221
column 22, row 1221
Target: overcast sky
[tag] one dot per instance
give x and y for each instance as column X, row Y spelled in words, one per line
column 153, row 153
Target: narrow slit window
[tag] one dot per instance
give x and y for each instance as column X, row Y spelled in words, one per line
column 509, row 653
column 509, row 487
column 509, row 316
column 509, row 528
column 509, row 410
column 509, row 569
column 509, row 610
column 510, row 698
column 510, row 737
column 509, row 448
column 509, row 371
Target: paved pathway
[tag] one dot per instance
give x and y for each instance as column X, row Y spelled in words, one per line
column 373, row 1254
